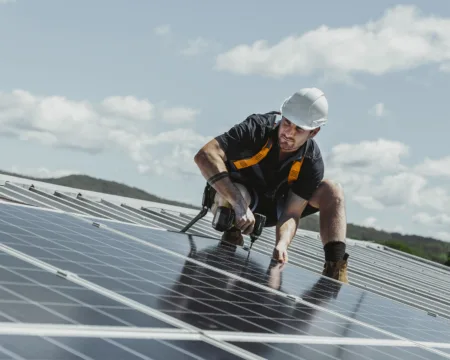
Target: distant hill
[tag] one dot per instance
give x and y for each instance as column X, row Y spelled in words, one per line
column 426, row 247
column 85, row 182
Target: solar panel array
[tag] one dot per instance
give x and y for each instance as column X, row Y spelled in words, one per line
column 83, row 279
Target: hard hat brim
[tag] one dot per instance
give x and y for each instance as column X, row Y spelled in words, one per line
column 301, row 124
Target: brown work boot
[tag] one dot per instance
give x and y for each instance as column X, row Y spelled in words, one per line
column 337, row 270
column 234, row 237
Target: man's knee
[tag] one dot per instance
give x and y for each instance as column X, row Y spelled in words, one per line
column 327, row 193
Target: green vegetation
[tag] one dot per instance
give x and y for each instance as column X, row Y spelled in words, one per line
column 425, row 247
column 448, row 259
column 85, row 182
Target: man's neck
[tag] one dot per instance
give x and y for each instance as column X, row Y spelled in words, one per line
column 283, row 155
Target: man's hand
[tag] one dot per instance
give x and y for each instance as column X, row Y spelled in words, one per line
column 245, row 220
column 280, row 253
column 287, row 225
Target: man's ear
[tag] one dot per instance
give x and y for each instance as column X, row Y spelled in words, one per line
column 314, row 133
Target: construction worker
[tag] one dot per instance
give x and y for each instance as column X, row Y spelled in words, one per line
column 270, row 164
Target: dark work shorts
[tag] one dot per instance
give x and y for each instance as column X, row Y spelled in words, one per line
column 272, row 209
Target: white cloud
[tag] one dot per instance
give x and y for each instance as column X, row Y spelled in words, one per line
column 195, row 47
column 443, row 235
column 374, row 177
column 367, row 201
column 42, row 172
column 399, row 190
column 124, row 123
column 402, row 39
column 129, row 107
column 163, row 30
column 373, row 221
column 7, row 2
column 178, row 115
column 357, row 166
column 398, row 228
column 201, row 45
column 437, row 167
column 368, row 156
column 370, row 221
column 431, row 220
column 436, row 198
column 445, row 67
column 378, row 110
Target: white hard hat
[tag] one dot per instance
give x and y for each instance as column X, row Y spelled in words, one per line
column 306, row 108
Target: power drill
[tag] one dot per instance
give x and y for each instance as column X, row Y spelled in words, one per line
column 224, row 220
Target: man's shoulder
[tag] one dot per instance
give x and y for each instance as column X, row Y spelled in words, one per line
column 248, row 135
column 255, row 127
column 262, row 120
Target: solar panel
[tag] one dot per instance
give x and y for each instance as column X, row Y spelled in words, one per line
column 335, row 352
column 31, row 294
column 180, row 282
column 349, row 301
column 101, row 348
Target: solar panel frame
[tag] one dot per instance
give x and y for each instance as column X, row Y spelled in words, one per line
column 56, row 336
column 25, row 198
column 129, row 286
column 175, row 254
column 50, row 300
column 139, row 232
column 115, row 296
column 220, row 263
column 347, row 352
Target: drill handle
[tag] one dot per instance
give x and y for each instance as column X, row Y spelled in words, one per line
column 260, row 221
column 225, row 217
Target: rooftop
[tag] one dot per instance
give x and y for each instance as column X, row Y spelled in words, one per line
column 133, row 276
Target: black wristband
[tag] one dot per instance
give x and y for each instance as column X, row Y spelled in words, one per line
column 217, row 177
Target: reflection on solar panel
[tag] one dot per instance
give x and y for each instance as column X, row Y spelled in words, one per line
column 127, row 288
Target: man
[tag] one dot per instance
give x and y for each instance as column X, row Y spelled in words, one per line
column 270, row 164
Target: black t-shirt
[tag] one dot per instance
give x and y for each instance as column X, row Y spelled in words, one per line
column 248, row 137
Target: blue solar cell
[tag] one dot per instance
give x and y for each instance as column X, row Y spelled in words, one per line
column 186, row 291
column 341, row 352
column 78, row 348
column 356, row 303
column 206, row 298
column 30, row 294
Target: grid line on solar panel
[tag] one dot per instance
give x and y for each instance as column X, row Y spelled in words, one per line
column 135, row 231
column 237, row 315
column 268, row 329
column 381, row 347
column 213, row 268
column 155, row 315
column 220, row 260
column 124, row 279
column 305, row 351
column 29, row 293
column 98, row 348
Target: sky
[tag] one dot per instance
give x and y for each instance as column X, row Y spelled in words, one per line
column 130, row 90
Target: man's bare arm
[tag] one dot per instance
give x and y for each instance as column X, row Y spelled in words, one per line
column 210, row 159
column 289, row 219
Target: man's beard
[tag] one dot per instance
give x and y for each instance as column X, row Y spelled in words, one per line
column 286, row 144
